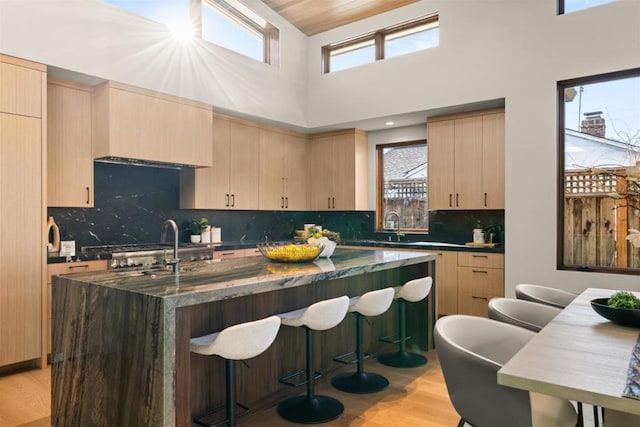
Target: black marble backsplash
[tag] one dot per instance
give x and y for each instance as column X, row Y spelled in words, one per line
column 132, row 202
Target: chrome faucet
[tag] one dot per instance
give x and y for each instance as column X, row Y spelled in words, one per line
column 394, row 213
column 175, row 262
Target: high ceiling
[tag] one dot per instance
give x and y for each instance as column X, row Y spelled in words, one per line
column 315, row 16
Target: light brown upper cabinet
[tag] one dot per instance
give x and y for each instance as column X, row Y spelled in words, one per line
column 232, row 181
column 338, row 170
column 283, row 171
column 466, row 161
column 69, row 153
column 22, row 209
column 134, row 123
column 21, row 91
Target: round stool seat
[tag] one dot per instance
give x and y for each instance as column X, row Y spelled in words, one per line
column 372, row 303
column 413, row 291
column 238, row 342
column 320, row 316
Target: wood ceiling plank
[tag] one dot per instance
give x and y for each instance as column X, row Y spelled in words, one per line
column 313, row 16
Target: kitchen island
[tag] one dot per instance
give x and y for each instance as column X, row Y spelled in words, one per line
column 120, row 353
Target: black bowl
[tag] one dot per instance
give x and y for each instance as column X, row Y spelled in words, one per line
column 621, row 316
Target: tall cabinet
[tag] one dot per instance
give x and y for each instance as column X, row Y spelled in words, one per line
column 284, row 161
column 338, row 170
column 22, row 209
column 69, row 148
column 466, row 161
column 232, row 181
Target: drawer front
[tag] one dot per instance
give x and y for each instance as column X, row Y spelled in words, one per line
column 476, row 286
column 475, row 259
column 252, row 252
column 75, row 267
column 234, row 253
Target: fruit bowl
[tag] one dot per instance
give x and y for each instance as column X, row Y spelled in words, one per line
column 621, row 316
column 289, row 252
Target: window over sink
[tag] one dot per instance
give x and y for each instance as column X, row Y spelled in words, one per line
column 402, row 186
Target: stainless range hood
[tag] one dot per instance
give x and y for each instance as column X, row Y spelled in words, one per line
column 144, row 163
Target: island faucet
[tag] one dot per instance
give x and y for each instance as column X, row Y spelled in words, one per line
column 394, row 213
column 175, row 262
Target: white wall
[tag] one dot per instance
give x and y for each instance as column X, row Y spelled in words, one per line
column 512, row 49
column 90, row 37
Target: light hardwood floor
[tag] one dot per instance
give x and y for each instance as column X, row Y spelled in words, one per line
column 416, row 397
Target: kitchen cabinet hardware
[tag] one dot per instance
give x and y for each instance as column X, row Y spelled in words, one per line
column 450, row 200
column 87, row 195
column 480, row 271
column 457, row 204
column 233, row 200
column 482, row 298
column 479, row 256
column 485, row 199
column 226, row 202
column 79, row 266
column 286, row 204
column 329, row 202
column 282, row 202
column 333, row 202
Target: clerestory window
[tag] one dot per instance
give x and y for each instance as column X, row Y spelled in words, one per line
column 407, row 37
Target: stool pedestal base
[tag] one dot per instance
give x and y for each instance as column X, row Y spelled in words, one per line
column 360, row 382
column 402, row 359
column 310, row 410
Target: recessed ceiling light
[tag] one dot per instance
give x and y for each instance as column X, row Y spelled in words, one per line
column 390, row 123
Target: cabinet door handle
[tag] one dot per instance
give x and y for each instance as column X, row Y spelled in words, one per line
column 480, row 271
column 233, row 200
column 328, row 202
column 79, row 266
column 281, row 202
column 286, row 202
column 457, row 200
column 87, row 195
column 450, row 200
column 485, row 200
column 479, row 256
column 482, row 298
column 333, row 202
column 226, row 203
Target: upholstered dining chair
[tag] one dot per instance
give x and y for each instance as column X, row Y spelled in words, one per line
column 526, row 314
column 544, row 295
column 471, row 351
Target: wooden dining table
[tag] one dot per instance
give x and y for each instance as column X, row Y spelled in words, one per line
column 580, row 356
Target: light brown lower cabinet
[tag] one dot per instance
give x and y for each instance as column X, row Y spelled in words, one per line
column 65, row 268
column 235, row 253
column 480, row 278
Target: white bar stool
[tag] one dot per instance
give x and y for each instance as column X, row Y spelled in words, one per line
column 237, row 342
column 310, row 408
column 412, row 291
column 369, row 304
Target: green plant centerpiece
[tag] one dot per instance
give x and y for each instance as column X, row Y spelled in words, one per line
column 624, row 299
column 326, row 238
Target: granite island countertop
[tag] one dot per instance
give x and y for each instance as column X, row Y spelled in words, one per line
column 206, row 281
